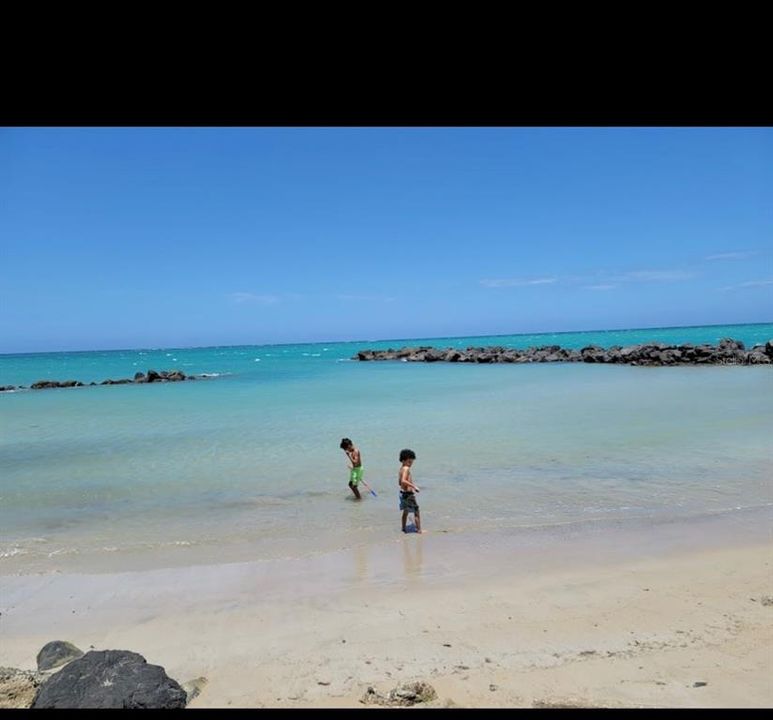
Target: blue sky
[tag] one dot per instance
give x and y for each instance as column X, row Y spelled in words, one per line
column 176, row 237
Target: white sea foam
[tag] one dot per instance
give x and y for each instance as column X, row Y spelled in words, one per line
column 13, row 552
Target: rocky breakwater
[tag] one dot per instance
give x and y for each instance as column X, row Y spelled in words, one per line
column 140, row 378
column 727, row 352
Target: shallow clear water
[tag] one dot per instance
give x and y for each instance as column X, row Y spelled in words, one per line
column 246, row 465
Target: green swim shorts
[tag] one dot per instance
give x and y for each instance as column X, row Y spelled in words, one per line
column 355, row 475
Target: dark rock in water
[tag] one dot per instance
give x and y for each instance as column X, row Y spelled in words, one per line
column 40, row 384
column 755, row 357
column 139, row 378
column 110, row 679
column 56, row 653
column 727, row 352
column 730, row 344
column 592, row 354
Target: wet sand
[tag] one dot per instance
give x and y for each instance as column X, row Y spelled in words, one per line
column 593, row 620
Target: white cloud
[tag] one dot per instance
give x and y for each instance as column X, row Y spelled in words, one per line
column 516, row 282
column 755, row 283
column 599, row 281
column 365, row 298
column 731, row 256
column 246, row 297
column 748, row 284
column 654, row 276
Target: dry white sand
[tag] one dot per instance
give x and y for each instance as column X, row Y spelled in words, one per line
column 486, row 625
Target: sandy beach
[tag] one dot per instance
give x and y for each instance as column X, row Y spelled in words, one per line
column 569, row 328
column 600, row 622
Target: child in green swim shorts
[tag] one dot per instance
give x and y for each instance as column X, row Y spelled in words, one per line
column 355, row 469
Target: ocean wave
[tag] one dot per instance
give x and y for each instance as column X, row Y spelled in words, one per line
column 64, row 551
column 13, row 552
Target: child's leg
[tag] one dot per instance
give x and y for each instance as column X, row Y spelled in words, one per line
column 405, row 517
column 417, row 521
column 355, row 490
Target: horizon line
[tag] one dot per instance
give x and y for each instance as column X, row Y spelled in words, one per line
column 373, row 340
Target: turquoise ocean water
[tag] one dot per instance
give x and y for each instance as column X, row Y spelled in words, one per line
column 246, row 464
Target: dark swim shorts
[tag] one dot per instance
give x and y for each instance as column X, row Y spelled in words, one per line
column 408, row 502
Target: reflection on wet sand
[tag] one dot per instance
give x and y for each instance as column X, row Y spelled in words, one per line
column 413, row 548
column 361, row 563
column 375, row 566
